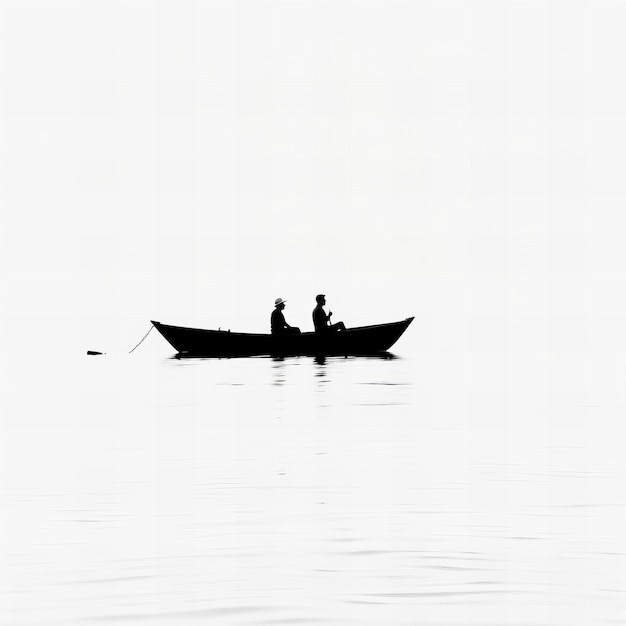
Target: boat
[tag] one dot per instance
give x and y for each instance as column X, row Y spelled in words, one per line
column 362, row 340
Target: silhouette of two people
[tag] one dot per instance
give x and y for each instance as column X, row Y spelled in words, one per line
column 321, row 319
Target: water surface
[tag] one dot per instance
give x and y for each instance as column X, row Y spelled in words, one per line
column 420, row 488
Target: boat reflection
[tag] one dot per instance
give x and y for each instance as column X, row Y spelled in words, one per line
column 320, row 359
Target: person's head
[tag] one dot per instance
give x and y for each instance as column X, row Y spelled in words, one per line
column 321, row 299
column 279, row 303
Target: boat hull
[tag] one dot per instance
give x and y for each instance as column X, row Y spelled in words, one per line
column 218, row 343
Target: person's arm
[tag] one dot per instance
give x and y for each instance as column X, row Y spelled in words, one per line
column 283, row 320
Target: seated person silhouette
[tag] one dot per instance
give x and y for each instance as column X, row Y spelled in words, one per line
column 279, row 325
column 321, row 321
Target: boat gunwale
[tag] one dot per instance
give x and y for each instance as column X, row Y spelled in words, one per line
column 406, row 321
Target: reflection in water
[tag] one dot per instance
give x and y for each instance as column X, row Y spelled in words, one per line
column 297, row 491
column 278, row 370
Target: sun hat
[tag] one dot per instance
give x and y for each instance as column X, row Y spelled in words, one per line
column 279, row 301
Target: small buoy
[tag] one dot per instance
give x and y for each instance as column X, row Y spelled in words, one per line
column 93, row 353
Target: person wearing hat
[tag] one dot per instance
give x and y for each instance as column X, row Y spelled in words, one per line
column 279, row 325
column 321, row 321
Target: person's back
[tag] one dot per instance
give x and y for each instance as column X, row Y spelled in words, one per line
column 320, row 320
column 277, row 321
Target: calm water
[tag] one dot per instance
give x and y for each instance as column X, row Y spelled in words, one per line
column 429, row 488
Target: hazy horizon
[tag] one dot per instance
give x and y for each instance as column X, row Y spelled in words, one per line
column 190, row 162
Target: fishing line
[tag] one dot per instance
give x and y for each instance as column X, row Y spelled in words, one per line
column 151, row 327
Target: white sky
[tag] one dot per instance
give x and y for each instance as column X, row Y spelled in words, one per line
column 191, row 161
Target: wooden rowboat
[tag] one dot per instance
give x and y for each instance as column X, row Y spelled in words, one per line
column 215, row 343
